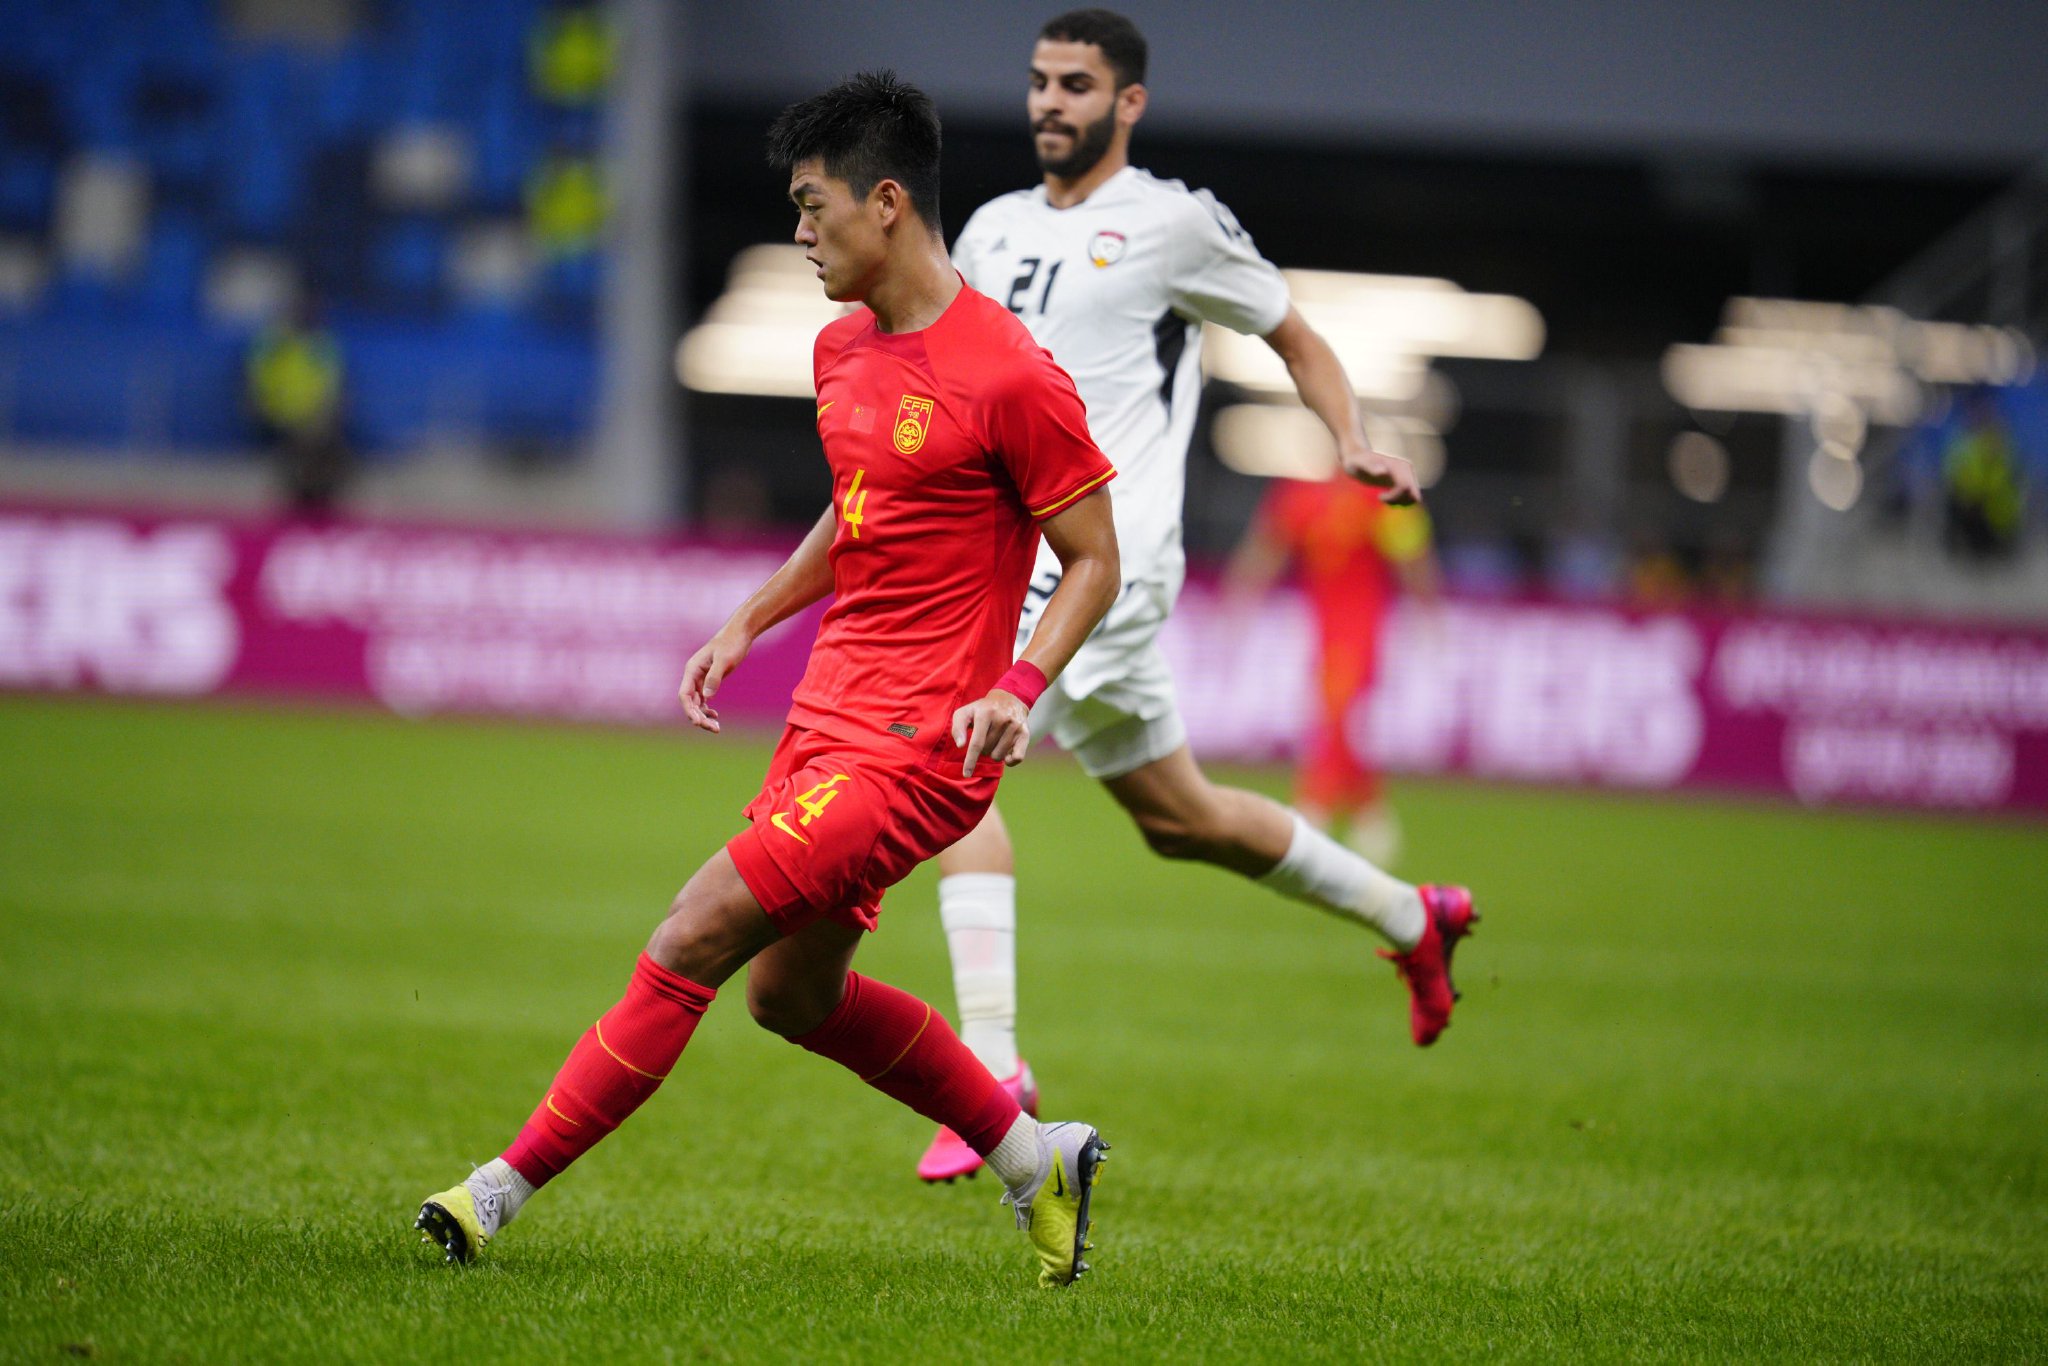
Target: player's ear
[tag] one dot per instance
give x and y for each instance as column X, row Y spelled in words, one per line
column 1130, row 105
column 889, row 200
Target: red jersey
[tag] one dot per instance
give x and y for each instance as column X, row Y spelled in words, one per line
column 1347, row 542
column 946, row 447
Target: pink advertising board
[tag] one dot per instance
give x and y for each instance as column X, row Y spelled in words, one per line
column 424, row 620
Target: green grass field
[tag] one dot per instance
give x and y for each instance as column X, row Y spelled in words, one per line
column 1727, row 1081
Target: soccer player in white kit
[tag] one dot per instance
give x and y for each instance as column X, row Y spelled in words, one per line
column 1114, row 272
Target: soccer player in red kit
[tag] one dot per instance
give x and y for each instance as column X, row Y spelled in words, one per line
column 1351, row 550
column 954, row 442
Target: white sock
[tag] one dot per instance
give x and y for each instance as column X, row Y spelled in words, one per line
column 1324, row 873
column 979, row 911
column 518, row 1190
column 1015, row 1159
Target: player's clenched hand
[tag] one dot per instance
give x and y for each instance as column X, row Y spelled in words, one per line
column 996, row 727
column 707, row 668
column 1389, row 472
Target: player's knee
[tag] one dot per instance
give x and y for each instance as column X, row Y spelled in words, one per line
column 1171, row 835
column 690, row 943
column 675, row 944
column 784, row 1008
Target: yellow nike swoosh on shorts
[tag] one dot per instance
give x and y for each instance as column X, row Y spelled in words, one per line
column 783, row 826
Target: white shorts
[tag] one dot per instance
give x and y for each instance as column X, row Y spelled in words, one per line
column 1112, row 708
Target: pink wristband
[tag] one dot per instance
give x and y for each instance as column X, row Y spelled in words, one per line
column 1025, row 681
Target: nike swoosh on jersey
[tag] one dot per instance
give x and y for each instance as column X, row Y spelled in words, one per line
column 783, row 826
column 823, row 406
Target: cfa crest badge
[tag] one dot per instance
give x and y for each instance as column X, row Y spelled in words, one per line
column 913, row 420
column 1106, row 249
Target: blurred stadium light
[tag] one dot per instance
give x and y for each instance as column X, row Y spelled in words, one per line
column 1384, row 328
column 1794, row 357
column 756, row 338
column 1699, row 466
column 1287, row 441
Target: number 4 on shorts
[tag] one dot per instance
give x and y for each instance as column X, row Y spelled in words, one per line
column 812, row 804
column 813, row 809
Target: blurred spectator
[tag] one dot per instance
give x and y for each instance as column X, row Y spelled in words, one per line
column 1727, row 570
column 566, row 204
column 1584, row 565
column 1351, row 551
column 571, row 53
column 1984, row 486
column 1656, row 576
column 295, row 378
column 1483, row 563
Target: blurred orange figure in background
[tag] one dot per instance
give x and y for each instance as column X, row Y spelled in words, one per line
column 1352, row 553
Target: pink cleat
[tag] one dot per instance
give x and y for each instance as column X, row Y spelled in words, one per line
column 949, row 1158
column 1427, row 967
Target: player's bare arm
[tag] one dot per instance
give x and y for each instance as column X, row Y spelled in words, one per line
column 1326, row 390
column 1255, row 566
column 804, row 577
column 1084, row 538
column 1422, row 579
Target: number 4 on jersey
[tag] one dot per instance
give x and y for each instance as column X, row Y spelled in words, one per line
column 853, row 509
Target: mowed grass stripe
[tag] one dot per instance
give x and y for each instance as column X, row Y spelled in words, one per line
column 1728, row 1080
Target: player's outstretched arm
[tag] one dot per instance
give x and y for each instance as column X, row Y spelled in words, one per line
column 1326, row 390
column 1084, row 538
column 804, row 577
column 1256, row 565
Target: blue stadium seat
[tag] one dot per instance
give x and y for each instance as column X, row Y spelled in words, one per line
column 407, row 261
column 28, row 186
column 97, row 105
column 81, row 294
column 507, row 141
column 265, row 142
column 173, row 266
column 350, row 99
column 177, row 138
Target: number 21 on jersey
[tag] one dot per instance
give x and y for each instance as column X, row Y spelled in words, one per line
column 1020, row 288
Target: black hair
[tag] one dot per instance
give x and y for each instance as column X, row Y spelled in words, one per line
column 869, row 128
column 1123, row 47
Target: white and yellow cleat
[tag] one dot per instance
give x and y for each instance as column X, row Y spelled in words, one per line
column 1053, row 1208
column 464, row 1218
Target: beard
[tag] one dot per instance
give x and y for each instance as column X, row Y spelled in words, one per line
column 1091, row 144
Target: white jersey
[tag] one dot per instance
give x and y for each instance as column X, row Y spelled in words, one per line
column 1116, row 288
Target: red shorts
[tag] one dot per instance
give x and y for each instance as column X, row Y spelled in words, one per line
column 838, row 823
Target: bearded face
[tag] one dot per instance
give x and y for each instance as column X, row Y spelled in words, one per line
column 1070, row 152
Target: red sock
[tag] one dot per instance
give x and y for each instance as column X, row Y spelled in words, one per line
column 906, row 1050
column 615, row 1066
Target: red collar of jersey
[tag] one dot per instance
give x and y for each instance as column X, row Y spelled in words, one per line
column 910, row 345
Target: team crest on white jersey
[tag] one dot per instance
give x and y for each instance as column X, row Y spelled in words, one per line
column 1106, row 248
